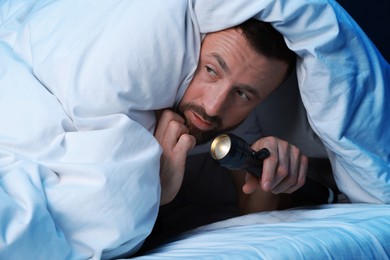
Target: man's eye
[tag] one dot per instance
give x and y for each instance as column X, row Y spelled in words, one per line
column 242, row 94
column 211, row 71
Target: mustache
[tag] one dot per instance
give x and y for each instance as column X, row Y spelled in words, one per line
column 201, row 112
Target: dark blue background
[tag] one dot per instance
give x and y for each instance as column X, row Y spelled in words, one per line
column 374, row 18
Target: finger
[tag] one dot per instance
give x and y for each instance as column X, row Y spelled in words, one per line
column 173, row 167
column 302, row 173
column 272, row 165
column 288, row 170
column 269, row 179
column 297, row 175
column 165, row 118
column 185, row 144
column 172, row 134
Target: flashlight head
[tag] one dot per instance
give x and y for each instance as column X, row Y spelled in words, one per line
column 220, row 146
column 233, row 152
column 230, row 151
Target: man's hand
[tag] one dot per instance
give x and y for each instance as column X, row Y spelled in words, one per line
column 284, row 171
column 173, row 136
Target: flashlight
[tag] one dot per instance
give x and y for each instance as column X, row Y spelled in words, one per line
column 234, row 153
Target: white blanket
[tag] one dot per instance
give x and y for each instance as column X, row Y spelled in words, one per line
column 78, row 85
column 79, row 81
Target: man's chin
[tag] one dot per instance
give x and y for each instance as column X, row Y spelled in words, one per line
column 203, row 137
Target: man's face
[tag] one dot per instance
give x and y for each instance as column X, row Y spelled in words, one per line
column 231, row 80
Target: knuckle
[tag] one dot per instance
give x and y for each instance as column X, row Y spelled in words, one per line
column 177, row 126
column 173, row 124
column 295, row 152
column 304, row 160
column 167, row 113
column 301, row 182
column 271, row 140
column 171, row 115
column 188, row 139
column 285, row 144
column 273, row 159
column 265, row 141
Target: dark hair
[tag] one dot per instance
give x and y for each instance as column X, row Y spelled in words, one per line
column 266, row 40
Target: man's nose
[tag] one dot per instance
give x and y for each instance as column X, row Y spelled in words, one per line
column 216, row 101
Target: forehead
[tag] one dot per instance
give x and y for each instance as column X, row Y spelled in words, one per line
column 226, row 40
column 230, row 49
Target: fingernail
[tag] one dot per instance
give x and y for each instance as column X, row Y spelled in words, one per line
column 267, row 186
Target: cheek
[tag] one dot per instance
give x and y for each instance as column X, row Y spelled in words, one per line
column 190, row 95
column 194, row 91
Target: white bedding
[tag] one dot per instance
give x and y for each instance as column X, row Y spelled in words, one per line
column 79, row 166
column 338, row 231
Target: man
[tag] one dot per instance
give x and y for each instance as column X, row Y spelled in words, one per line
column 238, row 68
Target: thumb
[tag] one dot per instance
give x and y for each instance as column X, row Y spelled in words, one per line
column 251, row 184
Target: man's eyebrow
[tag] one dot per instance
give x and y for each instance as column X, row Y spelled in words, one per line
column 221, row 62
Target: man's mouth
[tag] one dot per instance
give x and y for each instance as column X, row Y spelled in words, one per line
column 200, row 122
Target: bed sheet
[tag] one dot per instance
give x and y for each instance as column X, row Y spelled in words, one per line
column 337, row 231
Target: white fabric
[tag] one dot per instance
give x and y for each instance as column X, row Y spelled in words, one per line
column 78, row 83
column 338, row 231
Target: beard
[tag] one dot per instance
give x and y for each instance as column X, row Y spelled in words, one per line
column 201, row 136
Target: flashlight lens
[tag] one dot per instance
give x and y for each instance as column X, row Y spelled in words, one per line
column 220, row 147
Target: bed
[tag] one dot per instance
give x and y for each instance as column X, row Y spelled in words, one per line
column 338, row 231
column 79, row 165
